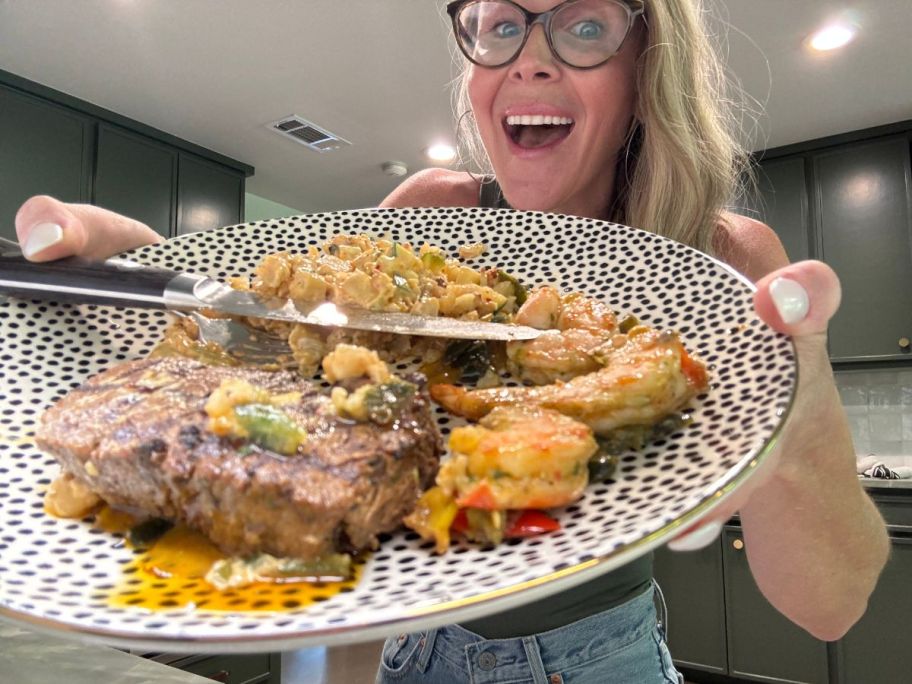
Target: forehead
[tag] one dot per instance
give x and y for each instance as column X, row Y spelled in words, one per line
column 538, row 5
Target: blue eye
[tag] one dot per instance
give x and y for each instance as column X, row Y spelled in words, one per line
column 587, row 30
column 507, row 29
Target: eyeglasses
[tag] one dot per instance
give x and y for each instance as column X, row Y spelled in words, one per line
column 581, row 33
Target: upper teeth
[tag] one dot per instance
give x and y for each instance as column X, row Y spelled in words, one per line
column 538, row 120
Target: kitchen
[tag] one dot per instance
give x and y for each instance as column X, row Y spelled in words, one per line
column 196, row 96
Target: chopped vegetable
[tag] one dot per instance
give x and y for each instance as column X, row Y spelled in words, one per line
column 238, row 572
column 270, row 428
column 485, row 527
column 472, row 357
column 626, row 325
column 492, row 527
column 243, row 411
column 519, row 291
column 385, row 402
column 530, row 523
column 433, row 261
column 433, row 515
column 602, row 466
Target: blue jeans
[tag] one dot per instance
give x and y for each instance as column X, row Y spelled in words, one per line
column 622, row 645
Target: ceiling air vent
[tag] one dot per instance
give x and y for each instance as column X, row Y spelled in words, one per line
column 308, row 133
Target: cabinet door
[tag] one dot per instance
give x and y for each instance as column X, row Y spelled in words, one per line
column 783, row 204
column 865, row 221
column 210, row 196
column 136, row 177
column 45, row 149
column 875, row 650
column 762, row 643
column 693, row 590
column 232, row 669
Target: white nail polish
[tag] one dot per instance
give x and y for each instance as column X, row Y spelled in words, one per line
column 700, row 538
column 790, row 298
column 41, row 237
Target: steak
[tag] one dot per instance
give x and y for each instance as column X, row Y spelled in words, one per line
column 137, row 435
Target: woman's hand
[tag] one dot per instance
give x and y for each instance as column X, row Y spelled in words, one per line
column 815, row 542
column 797, row 300
column 50, row 229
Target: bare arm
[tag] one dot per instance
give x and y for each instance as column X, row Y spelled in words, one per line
column 815, row 542
column 56, row 229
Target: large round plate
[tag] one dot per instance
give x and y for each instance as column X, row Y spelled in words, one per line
column 54, row 573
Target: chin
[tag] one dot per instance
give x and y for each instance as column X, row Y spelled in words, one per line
column 531, row 195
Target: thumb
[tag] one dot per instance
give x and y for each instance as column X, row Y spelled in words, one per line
column 799, row 299
column 47, row 229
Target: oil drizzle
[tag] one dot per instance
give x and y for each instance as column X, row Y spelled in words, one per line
column 170, row 575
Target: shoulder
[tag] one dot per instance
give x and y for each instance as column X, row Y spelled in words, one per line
column 748, row 245
column 435, row 188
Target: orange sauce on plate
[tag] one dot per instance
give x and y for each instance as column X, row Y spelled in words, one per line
column 170, row 575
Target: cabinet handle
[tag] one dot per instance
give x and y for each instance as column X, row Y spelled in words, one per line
column 904, row 343
column 220, row 676
column 738, row 544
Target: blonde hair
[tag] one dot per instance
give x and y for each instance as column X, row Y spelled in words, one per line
column 682, row 162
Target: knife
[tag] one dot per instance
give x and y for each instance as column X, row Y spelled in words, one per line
column 125, row 283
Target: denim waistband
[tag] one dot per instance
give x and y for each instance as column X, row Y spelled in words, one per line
column 566, row 647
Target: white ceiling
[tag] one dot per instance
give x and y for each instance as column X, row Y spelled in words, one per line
column 377, row 73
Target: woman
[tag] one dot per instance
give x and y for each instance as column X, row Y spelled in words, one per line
column 647, row 146
column 623, row 124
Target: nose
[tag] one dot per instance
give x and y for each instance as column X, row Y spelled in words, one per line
column 536, row 61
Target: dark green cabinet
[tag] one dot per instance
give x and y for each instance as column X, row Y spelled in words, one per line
column 864, row 211
column 876, row 649
column 782, row 202
column 719, row 622
column 694, row 594
column 849, row 204
column 136, row 177
column 254, row 668
column 762, row 643
column 44, row 150
column 209, row 196
column 54, row 144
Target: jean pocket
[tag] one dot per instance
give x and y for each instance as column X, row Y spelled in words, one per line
column 399, row 653
column 672, row 676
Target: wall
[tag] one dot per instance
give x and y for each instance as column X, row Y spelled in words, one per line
column 879, row 407
column 258, row 208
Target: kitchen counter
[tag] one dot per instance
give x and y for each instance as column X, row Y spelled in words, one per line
column 877, row 483
column 28, row 657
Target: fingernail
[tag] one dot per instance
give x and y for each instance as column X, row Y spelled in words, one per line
column 41, row 237
column 790, row 298
column 700, row 538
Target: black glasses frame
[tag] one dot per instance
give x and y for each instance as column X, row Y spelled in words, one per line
column 532, row 18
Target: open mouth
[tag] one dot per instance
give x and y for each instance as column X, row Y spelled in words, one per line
column 531, row 132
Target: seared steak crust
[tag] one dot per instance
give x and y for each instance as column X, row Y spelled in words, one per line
column 137, row 435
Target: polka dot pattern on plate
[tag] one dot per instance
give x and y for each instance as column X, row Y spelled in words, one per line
column 59, row 572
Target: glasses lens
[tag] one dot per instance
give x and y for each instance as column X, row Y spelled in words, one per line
column 490, row 32
column 588, row 32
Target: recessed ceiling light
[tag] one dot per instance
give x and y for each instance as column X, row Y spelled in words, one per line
column 832, row 37
column 441, row 152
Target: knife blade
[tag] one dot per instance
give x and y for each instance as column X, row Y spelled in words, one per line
column 121, row 282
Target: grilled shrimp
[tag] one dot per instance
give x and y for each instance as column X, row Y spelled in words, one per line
column 643, row 379
column 581, row 326
column 518, row 457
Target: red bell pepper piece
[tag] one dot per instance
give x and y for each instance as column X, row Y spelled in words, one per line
column 530, row 523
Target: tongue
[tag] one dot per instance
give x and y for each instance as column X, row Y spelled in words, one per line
column 538, row 136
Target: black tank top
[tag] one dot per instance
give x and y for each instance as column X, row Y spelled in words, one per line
column 597, row 595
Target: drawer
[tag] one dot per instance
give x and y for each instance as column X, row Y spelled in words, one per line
column 895, row 507
column 230, row 669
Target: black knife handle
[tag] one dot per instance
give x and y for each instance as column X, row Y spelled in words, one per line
column 80, row 281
